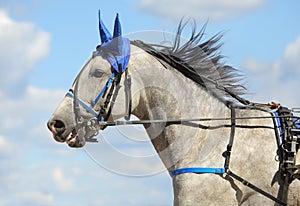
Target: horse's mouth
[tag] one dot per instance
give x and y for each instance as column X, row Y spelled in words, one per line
column 74, row 140
column 72, row 136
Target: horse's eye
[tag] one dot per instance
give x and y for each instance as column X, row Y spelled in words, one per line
column 97, row 73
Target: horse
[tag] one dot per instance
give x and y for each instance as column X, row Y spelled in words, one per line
column 190, row 104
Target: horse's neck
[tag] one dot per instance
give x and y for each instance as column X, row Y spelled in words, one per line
column 162, row 93
column 167, row 94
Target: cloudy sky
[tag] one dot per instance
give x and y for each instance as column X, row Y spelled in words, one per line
column 43, row 45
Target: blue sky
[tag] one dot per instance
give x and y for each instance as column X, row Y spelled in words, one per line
column 43, row 45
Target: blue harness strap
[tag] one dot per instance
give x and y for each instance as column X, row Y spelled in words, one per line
column 83, row 104
column 90, row 108
column 198, row 170
column 279, row 126
column 104, row 89
column 297, row 122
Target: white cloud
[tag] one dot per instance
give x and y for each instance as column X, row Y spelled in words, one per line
column 277, row 80
column 63, row 183
column 292, row 55
column 22, row 47
column 5, row 146
column 200, row 9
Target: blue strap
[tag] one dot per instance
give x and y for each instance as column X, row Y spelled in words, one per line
column 198, row 170
column 278, row 124
column 90, row 107
column 104, row 89
column 84, row 105
column 297, row 122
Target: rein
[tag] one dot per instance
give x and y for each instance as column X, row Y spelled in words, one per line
column 179, row 121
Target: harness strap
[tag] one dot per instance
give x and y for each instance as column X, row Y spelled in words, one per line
column 90, row 108
column 227, row 154
column 103, row 115
column 83, row 104
column 220, row 171
column 226, row 170
column 180, row 121
column 248, row 184
column 114, row 96
column 290, row 136
column 113, row 85
column 198, row 170
column 103, row 91
column 128, row 101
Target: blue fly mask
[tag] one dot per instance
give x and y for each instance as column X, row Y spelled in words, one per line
column 116, row 49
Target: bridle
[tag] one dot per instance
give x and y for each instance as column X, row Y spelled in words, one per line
column 108, row 95
column 116, row 50
column 90, row 107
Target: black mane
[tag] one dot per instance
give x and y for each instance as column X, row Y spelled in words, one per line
column 200, row 62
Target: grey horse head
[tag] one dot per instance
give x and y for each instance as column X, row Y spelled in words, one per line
column 111, row 56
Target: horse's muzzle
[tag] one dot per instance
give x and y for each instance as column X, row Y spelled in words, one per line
column 57, row 128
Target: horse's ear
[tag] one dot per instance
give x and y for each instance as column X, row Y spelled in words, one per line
column 105, row 36
column 117, row 28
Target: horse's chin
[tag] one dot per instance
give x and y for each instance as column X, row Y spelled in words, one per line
column 74, row 140
column 78, row 141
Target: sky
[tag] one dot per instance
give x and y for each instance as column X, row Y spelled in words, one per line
column 44, row 44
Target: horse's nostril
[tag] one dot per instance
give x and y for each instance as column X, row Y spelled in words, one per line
column 57, row 127
column 58, row 124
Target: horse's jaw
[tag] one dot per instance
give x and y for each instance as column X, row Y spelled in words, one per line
column 80, row 135
column 74, row 140
column 71, row 138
